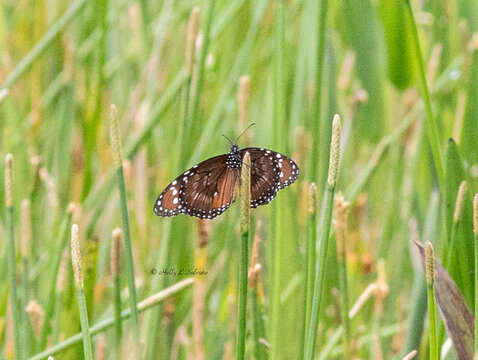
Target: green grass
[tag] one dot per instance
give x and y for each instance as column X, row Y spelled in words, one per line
column 408, row 141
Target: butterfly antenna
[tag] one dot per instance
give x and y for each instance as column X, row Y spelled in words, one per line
column 228, row 139
column 242, row 133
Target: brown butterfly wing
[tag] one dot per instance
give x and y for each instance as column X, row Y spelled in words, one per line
column 270, row 172
column 204, row 191
column 210, row 193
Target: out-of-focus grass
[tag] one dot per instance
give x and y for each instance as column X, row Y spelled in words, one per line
column 64, row 64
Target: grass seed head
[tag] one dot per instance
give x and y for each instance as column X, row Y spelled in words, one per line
column 76, row 256
column 245, row 192
column 115, row 136
column 26, row 228
column 115, row 255
column 429, row 263
column 334, row 151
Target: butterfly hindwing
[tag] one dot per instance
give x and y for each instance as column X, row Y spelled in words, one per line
column 270, row 172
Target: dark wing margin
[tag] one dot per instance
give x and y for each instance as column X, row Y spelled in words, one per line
column 270, row 172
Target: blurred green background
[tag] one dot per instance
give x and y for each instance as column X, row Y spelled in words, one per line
column 63, row 63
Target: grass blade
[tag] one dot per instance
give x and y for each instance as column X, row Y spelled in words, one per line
column 116, row 146
column 432, row 130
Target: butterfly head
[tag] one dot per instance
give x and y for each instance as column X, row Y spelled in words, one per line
column 234, row 150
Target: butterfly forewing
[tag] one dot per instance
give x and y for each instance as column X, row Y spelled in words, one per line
column 205, row 191
column 209, row 193
column 270, row 172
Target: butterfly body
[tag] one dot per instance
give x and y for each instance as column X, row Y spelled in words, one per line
column 207, row 189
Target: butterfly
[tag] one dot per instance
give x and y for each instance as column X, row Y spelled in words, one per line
column 207, row 189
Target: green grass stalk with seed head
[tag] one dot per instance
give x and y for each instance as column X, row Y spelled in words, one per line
column 245, row 221
column 323, row 237
column 77, row 272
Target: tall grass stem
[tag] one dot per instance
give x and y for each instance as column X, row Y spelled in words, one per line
column 116, row 148
column 311, row 255
column 258, row 328
column 115, row 267
column 245, row 220
column 25, row 246
column 340, row 224
column 323, row 229
column 475, row 231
